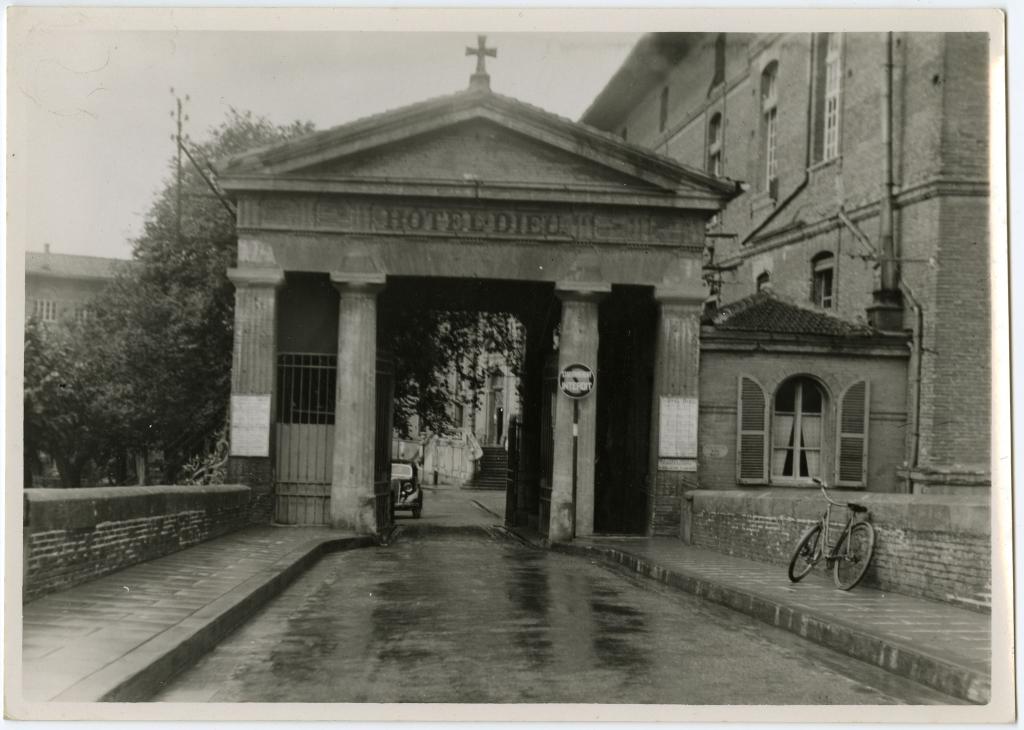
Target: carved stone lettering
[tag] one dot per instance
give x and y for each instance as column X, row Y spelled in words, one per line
column 526, row 223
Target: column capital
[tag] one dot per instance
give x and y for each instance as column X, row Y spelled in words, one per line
column 686, row 296
column 254, row 276
column 347, row 282
column 582, row 291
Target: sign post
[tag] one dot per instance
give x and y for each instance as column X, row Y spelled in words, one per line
column 575, row 381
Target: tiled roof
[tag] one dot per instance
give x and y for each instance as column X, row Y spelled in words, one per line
column 71, row 266
column 765, row 312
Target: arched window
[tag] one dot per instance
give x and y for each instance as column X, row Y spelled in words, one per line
column 715, row 145
column 797, row 430
column 769, row 124
column 764, row 280
column 822, row 280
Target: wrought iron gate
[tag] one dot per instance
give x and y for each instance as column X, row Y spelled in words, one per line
column 304, row 441
column 305, row 437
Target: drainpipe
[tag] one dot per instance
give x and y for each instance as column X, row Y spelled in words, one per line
column 886, row 311
column 916, row 355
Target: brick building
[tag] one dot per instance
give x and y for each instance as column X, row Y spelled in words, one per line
column 863, row 225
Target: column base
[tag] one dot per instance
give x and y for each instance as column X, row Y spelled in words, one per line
column 257, row 473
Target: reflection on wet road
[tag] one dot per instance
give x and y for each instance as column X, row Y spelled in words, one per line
column 461, row 616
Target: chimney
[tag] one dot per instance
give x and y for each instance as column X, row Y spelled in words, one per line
column 46, row 248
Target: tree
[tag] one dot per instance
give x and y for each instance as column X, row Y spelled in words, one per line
column 167, row 321
column 68, row 411
column 444, row 357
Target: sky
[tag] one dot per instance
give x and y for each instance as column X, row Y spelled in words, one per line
column 98, row 102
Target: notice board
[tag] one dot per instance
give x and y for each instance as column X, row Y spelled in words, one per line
column 677, row 428
column 250, row 425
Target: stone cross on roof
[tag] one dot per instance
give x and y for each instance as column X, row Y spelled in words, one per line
column 480, row 79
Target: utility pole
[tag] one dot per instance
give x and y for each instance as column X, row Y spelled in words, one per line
column 180, row 117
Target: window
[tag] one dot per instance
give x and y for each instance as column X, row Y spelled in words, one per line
column 44, row 309
column 624, row 133
column 764, row 280
column 715, row 145
column 833, row 78
column 822, row 280
column 769, row 124
column 719, row 75
column 663, row 110
column 802, row 441
column 797, row 429
column 827, row 105
column 82, row 313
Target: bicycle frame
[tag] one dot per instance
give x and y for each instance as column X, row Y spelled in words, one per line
column 831, row 554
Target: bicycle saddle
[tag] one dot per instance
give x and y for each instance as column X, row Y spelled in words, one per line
column 856, row 507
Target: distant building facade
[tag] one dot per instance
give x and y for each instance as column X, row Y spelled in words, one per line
column 61, row 286
column 855, row 264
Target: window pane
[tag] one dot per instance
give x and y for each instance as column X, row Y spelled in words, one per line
column 785, row 399
column 811, row 397
column 783, row 431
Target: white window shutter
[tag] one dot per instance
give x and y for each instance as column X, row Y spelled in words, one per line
column 751, row 433
column 852, row 439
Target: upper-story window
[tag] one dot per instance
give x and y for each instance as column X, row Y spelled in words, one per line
column 764, row 281
column 822, row 272
column 663, row 109
column 719, row 74
column 833, row 80
column 715, row 145
column 769, row 123
column 44, row 310
column 828, row 102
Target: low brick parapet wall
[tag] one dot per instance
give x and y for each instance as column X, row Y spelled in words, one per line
column 932, row 546
column 75, row 535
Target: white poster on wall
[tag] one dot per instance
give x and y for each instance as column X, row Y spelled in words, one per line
column 677, row 428
column 250, row 425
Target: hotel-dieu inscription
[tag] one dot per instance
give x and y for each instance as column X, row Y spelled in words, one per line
column 590, row 225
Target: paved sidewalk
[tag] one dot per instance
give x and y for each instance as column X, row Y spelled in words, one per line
column 939, row 645
column 120, row 636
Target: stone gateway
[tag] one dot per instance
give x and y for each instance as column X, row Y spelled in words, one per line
column 496, row 203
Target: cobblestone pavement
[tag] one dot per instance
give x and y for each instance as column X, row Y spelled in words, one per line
column 70, row 635
column 959, row 635
column 447, row 615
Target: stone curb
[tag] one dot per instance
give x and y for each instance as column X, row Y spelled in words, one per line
column 900, row 659
column 143, row 671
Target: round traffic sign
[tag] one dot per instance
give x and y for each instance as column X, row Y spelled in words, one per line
column 576, row 380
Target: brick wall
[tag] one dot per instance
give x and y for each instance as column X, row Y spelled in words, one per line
column 74, row 535
column 935, row 546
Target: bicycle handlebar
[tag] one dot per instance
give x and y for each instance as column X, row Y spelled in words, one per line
column 824, row 492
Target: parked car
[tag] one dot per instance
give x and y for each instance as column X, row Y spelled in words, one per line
column 406, row 493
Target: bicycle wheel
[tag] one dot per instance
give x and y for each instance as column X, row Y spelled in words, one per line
column 853, row 555
column 807, row 553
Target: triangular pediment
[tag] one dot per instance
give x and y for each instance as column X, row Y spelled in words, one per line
column 475, row 139
column 476, row 150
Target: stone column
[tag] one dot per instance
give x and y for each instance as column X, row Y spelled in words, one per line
column 676, row 405
column 355, row 410
column 253, row 370
column 577, row 344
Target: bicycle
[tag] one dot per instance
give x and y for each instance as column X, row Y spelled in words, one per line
column 851, row 554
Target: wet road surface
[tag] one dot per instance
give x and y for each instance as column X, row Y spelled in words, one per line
column 456, row 614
